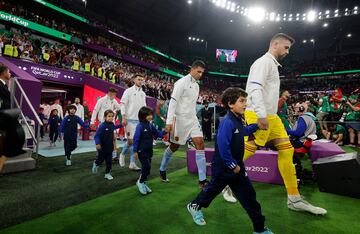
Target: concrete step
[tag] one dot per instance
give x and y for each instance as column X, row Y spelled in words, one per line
column 23, row 162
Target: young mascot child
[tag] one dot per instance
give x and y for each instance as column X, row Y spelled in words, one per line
column 105, row 141
column 145, row 133
column 69, row 130
column 53, row 125
column 228, row 167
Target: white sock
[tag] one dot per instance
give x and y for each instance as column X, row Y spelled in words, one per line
column 294, row 198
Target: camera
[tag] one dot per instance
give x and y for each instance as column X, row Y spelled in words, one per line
column 12, row 135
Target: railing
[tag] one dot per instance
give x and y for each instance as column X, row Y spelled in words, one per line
column 16, row 104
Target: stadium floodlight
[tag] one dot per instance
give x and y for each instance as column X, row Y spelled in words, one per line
column 297, row 18
column 202, row 40
column 349, row 35
column 189, row 38
column 231, row 21
column 304, row 41
column 277, row 18
column 197, row 39
column 272, row 16
column 189, row 1
column 355, row 12
column 256, row 14
column 312, row 40
column 325, row 25
column 311, row 16
column 327, row 12
column 336, row 11
column 297, row 14
column 355, row 7
column 336, row 15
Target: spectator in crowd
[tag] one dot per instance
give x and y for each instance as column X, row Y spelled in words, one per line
column 352, row 119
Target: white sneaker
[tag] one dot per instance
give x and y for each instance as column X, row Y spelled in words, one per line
column 122, row 160
column 134, row 167
column 108, row 176
column 303, row 205
column 95, row 168
column 68, row 162
column 228, row 195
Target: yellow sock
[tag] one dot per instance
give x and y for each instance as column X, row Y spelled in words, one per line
column 249, row 150
column 287, row 168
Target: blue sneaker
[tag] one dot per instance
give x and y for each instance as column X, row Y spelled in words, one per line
column 94, row 168
column 267, row 231
column 142, row 188
column 148, row 190
column 196, row 214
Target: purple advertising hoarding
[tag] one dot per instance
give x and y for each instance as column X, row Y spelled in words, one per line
column 58, row 75
column 50, row 73
column 101, row 49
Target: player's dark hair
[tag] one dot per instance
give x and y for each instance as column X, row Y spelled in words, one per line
column 198, row 63
column 112, row 90
column 3, row 68
column 283, row 36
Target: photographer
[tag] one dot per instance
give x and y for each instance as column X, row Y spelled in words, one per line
column 304, row 126
column 352, row 119
column 4, row 98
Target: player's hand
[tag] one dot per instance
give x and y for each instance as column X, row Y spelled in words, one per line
column 124, row 122
column 263, row 123
column 136, row 156
column 168, row 127
column 236, row 170
column 98, row 147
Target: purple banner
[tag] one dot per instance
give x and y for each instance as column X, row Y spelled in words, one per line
column 101, row 49
column 261, row 167
column 30, row 84
column 142, row 63
column 50, row 73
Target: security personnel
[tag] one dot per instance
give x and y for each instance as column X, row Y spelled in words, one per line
column 100, row 72
column 76, row 65
column 87, row 68
column 8, row 50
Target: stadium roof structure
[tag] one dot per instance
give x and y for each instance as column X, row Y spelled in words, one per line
column 168, row 21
